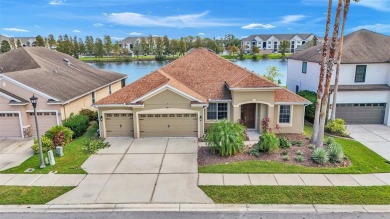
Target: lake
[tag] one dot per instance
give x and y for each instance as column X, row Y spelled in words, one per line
column 138, row 69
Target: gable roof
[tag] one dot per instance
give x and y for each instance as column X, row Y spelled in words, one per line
column 280, row 37
column 200, row 74
column 362, row 46
column 13, row 98
column 49, row 72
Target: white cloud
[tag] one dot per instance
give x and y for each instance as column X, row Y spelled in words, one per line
column 135, row 34
column 57, row 2
column 382, row 28
column 176, row 21
column 258, row 26
column 201, row 34
column 291, row 18
column 98, row 24
column 15, row 29
column 76, row 31
column 380, row 5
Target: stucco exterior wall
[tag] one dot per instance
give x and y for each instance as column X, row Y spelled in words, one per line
column 242, row 97
column 297, row 120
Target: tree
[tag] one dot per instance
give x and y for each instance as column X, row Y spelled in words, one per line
column 231, row 40
column 137, row 49
column 339, row 54
column 5, row 46
column 89, row 45
column 182, row 46
column 99, row 48
column 255, row 50
column 314, row 41
column 107, row 44
column 144, row 46
column 117, row 49
column 320, row 88
column 28, row 44
column 151, row 44
column 273, row 74
column 174, row 46
column 283, row 47
column 18, row 43
column 12, row 43
column 39, row 41
column 51, row 41
column 82, row 47
column 233, row 49
column 75, row 47
column 159, row 48
column 167, row 46
column 198, row 42
column 328, row 76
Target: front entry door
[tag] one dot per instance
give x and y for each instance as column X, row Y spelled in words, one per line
column 248, row 115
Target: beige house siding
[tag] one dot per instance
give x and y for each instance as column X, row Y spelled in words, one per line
column 242, row 97
column 297, row 120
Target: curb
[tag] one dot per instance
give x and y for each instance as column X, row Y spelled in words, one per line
column 197, row 208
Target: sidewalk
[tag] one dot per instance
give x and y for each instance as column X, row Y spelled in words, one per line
column 41, row 179
column 378, row 179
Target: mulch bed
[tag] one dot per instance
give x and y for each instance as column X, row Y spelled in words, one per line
column 206, row 157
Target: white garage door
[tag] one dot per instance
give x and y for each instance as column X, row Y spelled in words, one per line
column 119, row 124
column 168, row 125
column 10, row 125
column 46, row 120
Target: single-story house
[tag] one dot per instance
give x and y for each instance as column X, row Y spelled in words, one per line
column 364, row 85
column 63, row 85
column 186, row 96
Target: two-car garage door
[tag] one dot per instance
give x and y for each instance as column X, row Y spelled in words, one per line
column 361, row 113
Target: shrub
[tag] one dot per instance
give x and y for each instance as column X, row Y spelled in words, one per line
column 47, row 144
column 284, row 152
column 225, row 137
column 310, row 110
column 336, row 127
column 329, row 141
column 299, row 158
column 286, row 158
column 254, row 151
column 298, row 152
column 94, row 144
column 297, row 143
column 254, row 57
column 60, row 135
column 265, row 124
column 265, row 56
column 320, row 156
column 284, row 143
column 92, row 115
column 335, row 152
column 268, row 143
column 78, row 124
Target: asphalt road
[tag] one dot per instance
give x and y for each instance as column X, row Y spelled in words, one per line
column 191, row 215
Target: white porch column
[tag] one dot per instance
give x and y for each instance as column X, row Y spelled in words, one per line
column 271, row 110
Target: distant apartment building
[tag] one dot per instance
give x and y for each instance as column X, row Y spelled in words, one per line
column 271, row 42
column 129, row 42
column 24, row 41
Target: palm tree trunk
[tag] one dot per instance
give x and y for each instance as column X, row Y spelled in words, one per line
column 329, row 71
column 322, row 73
column 340, row 53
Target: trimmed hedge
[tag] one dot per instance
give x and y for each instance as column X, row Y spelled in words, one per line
column 310, row 109
column 78, row 124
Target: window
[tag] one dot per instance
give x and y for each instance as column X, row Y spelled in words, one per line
column 284, row 114
column 269, row 42
column 304, row 67
column 360, row 74
column 109, row 89
column 93, row 97
column 123, row 83
column 217, row 111
column 296, row 88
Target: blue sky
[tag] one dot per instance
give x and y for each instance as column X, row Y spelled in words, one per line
column 176, row 18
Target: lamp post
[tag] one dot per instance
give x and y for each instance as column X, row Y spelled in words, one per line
column 34, row 101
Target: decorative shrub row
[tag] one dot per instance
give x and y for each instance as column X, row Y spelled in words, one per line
column 332, row 153
column 78, row 124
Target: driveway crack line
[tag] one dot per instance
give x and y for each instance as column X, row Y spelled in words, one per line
column 159, row 172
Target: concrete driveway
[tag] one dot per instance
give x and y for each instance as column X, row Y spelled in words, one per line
column 375, row 137
column 13, row 152
column 149, row 170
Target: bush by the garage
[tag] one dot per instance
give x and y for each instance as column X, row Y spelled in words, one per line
column 310, row 109
column 47, row 144
column 94, row 144
column 60, row 135
column 336, row 127
column 92, row 115
column 78, row 124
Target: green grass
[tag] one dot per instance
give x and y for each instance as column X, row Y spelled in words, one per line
column 363, row 160
column 298, row 194
column 23, row 195
column 70, row 163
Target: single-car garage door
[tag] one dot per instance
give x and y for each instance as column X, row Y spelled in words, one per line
column 46, row 120
column 168, row 125
column 10, row 125
column 361, row 113
column 119, row 125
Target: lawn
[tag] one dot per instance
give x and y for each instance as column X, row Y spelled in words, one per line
column 363, row 160
column 298, row 194
column 70, row 163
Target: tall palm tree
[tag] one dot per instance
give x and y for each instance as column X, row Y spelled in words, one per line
column 322, row 75
column 339, row 54
column 328, row 76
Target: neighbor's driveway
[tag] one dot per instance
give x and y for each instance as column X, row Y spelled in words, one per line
column 13, row 152
column 375, row 137
column 149, row 170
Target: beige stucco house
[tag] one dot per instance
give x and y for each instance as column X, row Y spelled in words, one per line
column 185, row 97
column 63, row 85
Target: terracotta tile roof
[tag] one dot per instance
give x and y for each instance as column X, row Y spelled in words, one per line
column 362, row 46
column 284, row 95
column 201, row 74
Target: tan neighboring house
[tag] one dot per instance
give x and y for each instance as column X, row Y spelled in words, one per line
column 63, row 85
column 185, row 97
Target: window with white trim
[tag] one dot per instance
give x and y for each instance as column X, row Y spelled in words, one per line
column 284, row 114
column 217, row 111
column 109, row 89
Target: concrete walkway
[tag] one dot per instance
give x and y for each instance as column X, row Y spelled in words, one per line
column 41, row 179
column 13, row 152
column 375, row 137
column 379, row 179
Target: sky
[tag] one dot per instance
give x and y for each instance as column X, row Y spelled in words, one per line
column 179, row 18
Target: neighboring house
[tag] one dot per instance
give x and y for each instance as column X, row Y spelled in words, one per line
column 272, row 42
column 129, row 42
column 63, row 85
column 25, row 41
column 364, row 85
column 191, row 93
